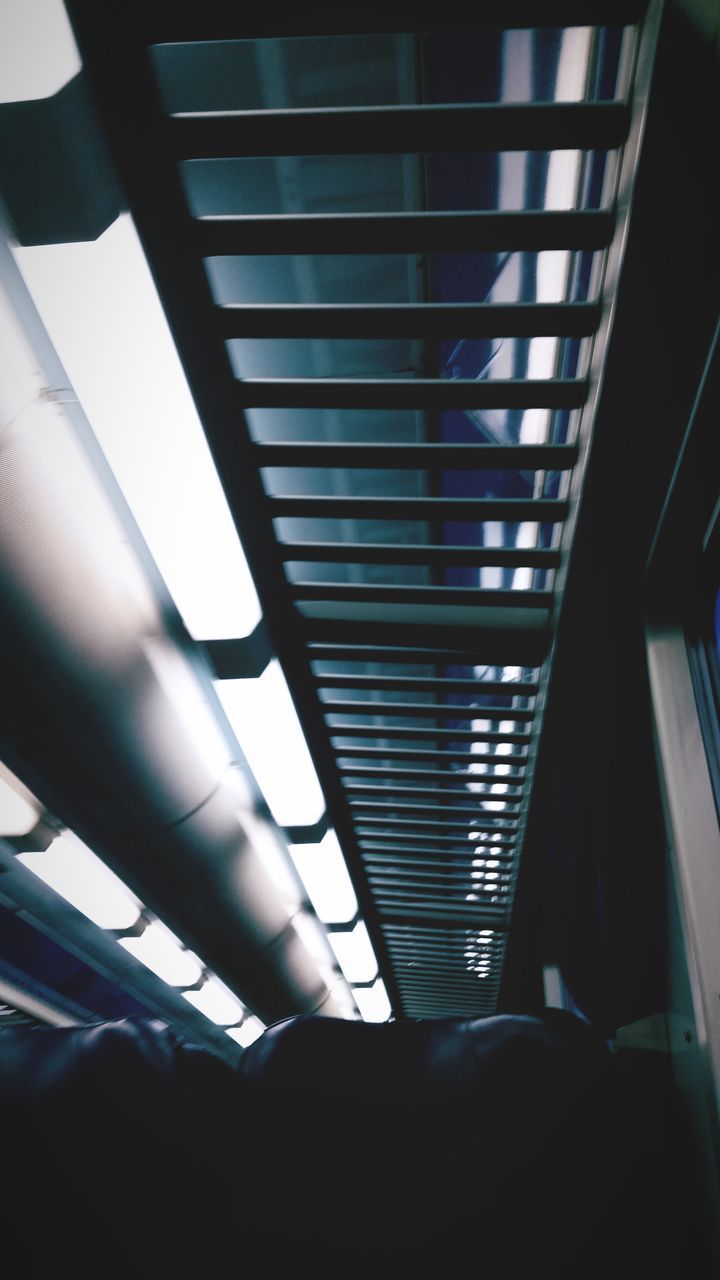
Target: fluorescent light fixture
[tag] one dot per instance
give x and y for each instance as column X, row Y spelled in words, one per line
column 159, row 950
column 263, row 717
column 373, row 1002
column 315, row 941
column 38, row 54
column 246, row 1034
column 100, row 307
column 18, row 811
column 354, row 953
column 322, row 869
column 216, row 1002
column 73, row 871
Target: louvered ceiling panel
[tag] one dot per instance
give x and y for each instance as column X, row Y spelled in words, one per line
column 395, row 330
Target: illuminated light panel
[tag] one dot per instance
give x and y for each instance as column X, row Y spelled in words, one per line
column 74, row 871
column 38, row 54
column 216, row 1002
column 18, row 814
column 355, row 954
column 263, row 717
column 373, row 1002
column 159, row 950
column 246, row 1034
column 100, row 307
column 322, row 869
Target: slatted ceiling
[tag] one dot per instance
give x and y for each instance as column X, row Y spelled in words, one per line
column 434, row 582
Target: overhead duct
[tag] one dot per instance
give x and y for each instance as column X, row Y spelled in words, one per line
column 104, row 716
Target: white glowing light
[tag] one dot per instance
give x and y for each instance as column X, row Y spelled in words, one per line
column 263, row 717
column 18, row 812
column 98, row 302
column 322, row 869
column 74, row 871
column 216, row 1002
column 355, row 954
column 246, row 1034
column 373, row 1002
column 159, row 950
column 38, row 54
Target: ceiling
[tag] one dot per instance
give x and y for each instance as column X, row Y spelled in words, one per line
column 389, row 261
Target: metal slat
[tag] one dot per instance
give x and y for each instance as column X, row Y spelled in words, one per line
column 433, row 556
column 333, row 507
column 446, row 877
column 402, row 935
column 445, row 796
column 415, row 988
column 390, row 903
column 429, row 320
column 411, row 393
column 407, row 807
column 394, row 843
column 437, row 952
column 421, row 775
column 429, row 684
column 165, row 21
column 407, row 821
column 448, row 810
column 389, row 456
column 440, row 945
column 318, row 650
column 500, row 637
column 416, row 733
column 458, row 833
column 408, row 753
column 490, row 917
column 488, row 231
column 426, row 710
column 438, row 959
column 431, row 889
column 479, row 597
column 399, row 860
column 379, row 130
